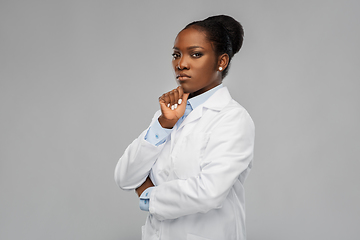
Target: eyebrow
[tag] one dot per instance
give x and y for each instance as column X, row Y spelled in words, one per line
column 189, row 48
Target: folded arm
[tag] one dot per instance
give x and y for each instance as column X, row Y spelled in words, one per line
column 228, row 154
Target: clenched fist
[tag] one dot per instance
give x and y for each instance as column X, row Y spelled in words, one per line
column 172, row 106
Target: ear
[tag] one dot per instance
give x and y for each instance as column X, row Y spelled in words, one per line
column 223, row 61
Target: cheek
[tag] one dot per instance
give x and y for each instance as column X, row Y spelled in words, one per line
column 206, row 68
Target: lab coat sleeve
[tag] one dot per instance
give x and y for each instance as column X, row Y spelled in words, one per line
column 135, row 164
column 228, row 153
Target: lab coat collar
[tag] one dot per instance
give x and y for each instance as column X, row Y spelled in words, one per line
column 216, row 102
column 200, row 99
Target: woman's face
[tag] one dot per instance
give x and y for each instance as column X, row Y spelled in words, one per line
column 194, row 62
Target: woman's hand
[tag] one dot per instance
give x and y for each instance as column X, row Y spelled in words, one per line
column 172, row 106
column 148, row 183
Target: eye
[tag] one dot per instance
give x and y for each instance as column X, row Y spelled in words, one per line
column 175, row 55
column 197, row 55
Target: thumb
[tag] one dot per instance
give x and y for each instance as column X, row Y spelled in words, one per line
column 181, row 107
column 185, row 97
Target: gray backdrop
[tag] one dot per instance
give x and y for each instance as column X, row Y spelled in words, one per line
column 79, row 80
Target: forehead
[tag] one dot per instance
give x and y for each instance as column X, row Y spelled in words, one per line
column 191, row 37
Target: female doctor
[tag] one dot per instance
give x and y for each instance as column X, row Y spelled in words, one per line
column 189, row 165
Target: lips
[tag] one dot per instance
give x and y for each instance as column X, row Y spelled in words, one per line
column 182, row 77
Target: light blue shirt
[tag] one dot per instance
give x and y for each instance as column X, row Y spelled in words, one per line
column 157, row 135
column 145, row 199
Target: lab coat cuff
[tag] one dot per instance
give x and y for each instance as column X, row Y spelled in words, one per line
column 144, row 199
column 156, row 134
column 146, row 193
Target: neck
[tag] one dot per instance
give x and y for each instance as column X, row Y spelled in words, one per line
column 201, row 91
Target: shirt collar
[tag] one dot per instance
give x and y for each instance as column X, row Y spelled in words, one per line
column 200, row 99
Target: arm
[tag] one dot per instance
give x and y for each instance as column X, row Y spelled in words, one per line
column 135, row 164
column 228, row 154
column 148, row 183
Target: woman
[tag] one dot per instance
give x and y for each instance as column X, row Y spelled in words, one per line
column 189, row 166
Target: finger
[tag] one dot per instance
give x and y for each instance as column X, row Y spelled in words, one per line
column 161, row 99
column 167, row 99
column 185, row 97
column 181, row 93
column 164, row 99
column 176, row 98
column 172, row 99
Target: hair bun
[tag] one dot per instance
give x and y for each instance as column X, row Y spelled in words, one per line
column 233, row 28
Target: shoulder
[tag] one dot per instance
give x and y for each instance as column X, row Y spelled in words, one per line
column 235, row 113
column 226, row 107
column 234, row 108
column 231, row 118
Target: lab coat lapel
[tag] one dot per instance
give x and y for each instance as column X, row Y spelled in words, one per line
column 193, row 116
column 216, row 102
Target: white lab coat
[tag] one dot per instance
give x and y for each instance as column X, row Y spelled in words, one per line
column 198, row 172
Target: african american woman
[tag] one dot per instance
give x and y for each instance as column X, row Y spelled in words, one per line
column 189, row 166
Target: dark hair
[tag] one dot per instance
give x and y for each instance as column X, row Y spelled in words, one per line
column 224, row 32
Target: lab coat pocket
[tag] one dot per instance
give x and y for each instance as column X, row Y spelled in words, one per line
column 188, row 155
column 194, row 237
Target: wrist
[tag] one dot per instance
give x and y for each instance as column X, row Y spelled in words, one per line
column 166, row 123
column 147, row 184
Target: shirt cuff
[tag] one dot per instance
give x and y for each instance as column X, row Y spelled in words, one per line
column 145, row 199
column 156, row 134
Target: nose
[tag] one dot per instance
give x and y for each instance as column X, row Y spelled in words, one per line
column 183, row 63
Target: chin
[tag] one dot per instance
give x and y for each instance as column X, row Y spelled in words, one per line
column 187, row 90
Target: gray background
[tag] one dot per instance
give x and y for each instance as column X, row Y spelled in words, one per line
column 79, row 80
